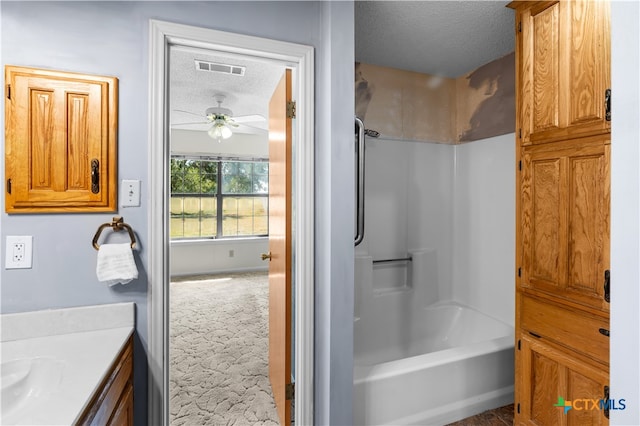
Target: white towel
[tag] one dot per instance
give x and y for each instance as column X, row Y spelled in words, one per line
column 116, row 264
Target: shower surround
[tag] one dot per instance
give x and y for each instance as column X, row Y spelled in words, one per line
column 421, row 107
column 433, row 335
column 450, row 309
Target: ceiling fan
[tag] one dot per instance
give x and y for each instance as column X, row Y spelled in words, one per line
column 222, row 119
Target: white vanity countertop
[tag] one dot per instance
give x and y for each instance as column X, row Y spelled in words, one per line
column 80, row 344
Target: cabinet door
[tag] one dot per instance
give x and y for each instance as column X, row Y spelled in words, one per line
column 60, row 141
column 564, row 72
column 549, row 379
column 123, row 415
column 565, row 194
column 112, row 402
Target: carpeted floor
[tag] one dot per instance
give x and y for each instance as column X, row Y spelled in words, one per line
column 219, row 351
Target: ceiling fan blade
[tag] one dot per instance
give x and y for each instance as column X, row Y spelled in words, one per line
column 248, row 118
column 191, row 122
column 249, row 126
column 187, row 112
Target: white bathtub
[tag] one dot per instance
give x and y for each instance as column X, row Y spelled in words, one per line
column 417, row 365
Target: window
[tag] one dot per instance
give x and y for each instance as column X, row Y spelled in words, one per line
column 219, row 198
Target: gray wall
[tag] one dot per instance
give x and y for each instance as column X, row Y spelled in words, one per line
column 111, row 38
column 334, row 216
column 625, row 210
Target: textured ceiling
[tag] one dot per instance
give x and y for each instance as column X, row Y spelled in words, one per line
column 447, row 38
column 193, row 91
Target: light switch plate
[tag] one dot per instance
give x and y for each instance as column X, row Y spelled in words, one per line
column 18, row 251
column 130, row 193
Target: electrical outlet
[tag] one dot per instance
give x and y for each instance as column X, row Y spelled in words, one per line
column 19, row 252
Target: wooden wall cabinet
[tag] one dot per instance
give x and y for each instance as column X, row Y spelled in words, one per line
column 112, row 403
column 60, row 141
column 562, row 209
column 564, row 57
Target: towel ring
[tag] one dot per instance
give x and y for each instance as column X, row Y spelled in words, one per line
column 117, row 225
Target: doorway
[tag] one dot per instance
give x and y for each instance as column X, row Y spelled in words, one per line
column 299, row 59
column 220, row 225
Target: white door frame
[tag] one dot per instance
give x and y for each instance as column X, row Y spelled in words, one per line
column 300, row 59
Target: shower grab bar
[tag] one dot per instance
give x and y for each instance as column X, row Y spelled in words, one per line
column 360, row 181
column 404, row 259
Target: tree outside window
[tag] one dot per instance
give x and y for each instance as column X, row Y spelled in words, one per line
column 203, row 208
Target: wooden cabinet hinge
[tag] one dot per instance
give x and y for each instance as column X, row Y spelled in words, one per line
column 8, row 91
column 520, row 165
column 607, row 105
column 520, row 26
column 9, row 185
column 518, row 408
column 520, row 133
column 520, row 269
column 519, row 344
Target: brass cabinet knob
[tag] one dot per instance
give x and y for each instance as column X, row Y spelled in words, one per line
column 266, row 256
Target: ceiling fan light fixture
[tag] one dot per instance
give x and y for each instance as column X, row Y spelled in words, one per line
column 219, row 131
column 221, row 120
column 226, row 132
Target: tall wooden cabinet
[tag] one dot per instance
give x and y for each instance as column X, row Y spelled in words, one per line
column 563, row 186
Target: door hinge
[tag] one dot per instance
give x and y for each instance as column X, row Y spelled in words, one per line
column 291, row 109
column 290, row 391
column 9, row 186
column 607, row 286
column 8, row 91
column 607, row 105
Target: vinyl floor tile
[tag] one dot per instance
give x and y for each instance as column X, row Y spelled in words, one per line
column 497, row 417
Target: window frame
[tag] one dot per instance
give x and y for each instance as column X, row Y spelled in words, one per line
column 219, row 196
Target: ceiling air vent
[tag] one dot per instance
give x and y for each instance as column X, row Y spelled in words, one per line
column 221, row 68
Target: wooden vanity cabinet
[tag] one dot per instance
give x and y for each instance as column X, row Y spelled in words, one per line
column 112, row 403
column 60, row 141
column 123, row 414
column 563, row 147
